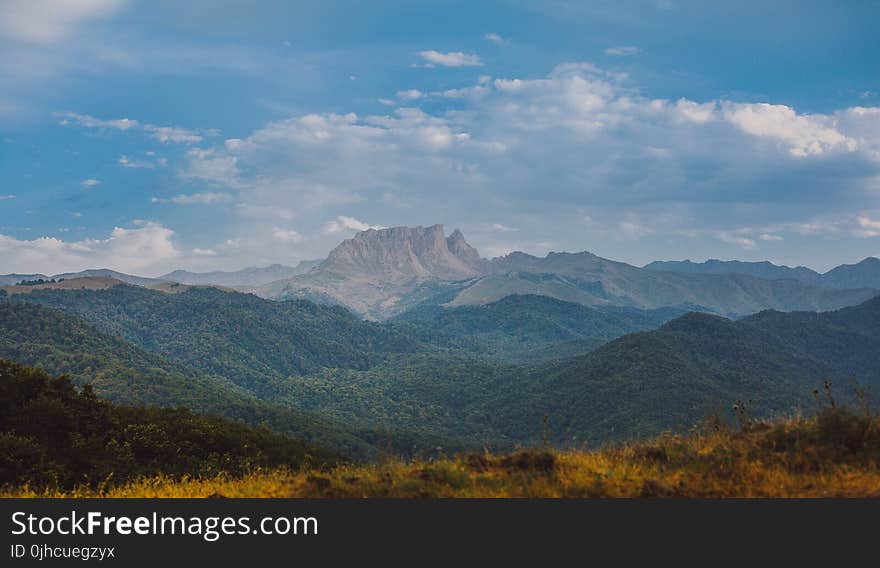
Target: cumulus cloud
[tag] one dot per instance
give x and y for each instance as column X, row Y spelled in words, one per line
column 48, row 21
column 147, row 248
column 89, row 183
column 212, row 166
column 580, row 137
column 451, row 58
column 622, row 51
column 803, row 135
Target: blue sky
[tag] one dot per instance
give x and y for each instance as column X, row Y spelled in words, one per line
column 147, row 136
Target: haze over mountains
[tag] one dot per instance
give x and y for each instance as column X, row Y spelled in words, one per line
column 865, row 274
column 380, row 273
column 253, row 276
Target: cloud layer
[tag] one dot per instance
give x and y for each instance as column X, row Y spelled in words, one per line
column 581, row 149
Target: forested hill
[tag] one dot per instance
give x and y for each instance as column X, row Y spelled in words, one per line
column 53, row 435
column 521, row 328
column 61, row 344
column 252, row 341
column 644, row 382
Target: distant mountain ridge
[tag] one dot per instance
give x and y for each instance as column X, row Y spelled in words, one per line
column 253, row 276
column 13, row 279
column 864, row 274
column 380, row 273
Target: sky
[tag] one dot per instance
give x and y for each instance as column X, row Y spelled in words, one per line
column 147, row 136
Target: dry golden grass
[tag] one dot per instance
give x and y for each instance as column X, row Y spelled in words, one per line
column 836, row 454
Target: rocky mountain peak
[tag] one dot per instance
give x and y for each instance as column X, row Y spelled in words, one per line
column 402, row 253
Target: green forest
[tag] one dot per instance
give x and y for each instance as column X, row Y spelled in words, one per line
column 283, row 378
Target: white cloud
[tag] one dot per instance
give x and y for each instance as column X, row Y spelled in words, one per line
column 770, row 237
column 172, row 134
column 210, row 165
column 623, row 51
column 207, row 198
column 89, row 183
column 804, row 135
column 451, row 59
column 495, row 38
column 410, row 94
column 286, row 235
column 735, row 239
column 148, row 248
column 5, row 197
column 535, row 150
column 867, row 227
column 127, row 162
column 48, row 21
column 87, row 121
column 499, row 228
column 204, row 252
column 164, row 134
column 343, row 223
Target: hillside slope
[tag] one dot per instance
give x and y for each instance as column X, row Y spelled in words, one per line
column 52, row 434
column 523, row 328
column 254, row 342
column 121, row 372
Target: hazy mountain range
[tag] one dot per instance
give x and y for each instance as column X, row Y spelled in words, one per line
column 382, row 273
column 865, row 274
column 241, row 278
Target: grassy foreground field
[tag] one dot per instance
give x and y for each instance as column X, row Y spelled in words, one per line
column 835, row 454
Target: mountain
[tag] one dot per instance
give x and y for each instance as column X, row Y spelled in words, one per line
column 847, row 340
column 13, row 279
column 522, row 328
column 420, row 378
column 865, row 274
column 591, row 280
column 764, row 269
column 669, row 378
column 640, row 384
column 106, row 273
column 85, row 283
column 382, row 273
column 379, row 273
column 247, row 277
